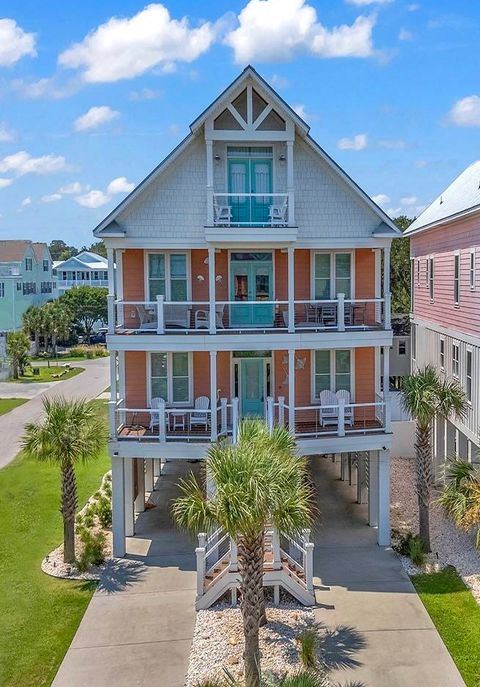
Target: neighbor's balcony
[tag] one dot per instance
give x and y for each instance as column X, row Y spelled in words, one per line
column 68, row 283
column 248, row 317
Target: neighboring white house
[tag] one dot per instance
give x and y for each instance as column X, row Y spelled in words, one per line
column 84, row 269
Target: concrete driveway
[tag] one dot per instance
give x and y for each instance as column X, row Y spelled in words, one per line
column 88, row 384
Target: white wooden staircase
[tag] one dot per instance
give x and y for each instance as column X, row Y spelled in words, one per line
column 288, row 564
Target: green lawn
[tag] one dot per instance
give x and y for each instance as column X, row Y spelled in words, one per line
column 8, row 404
column 38, row 614
column 47, row 374
column 456, row 615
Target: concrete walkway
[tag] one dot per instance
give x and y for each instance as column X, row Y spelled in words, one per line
column 379, row 631
column 87, row 384
column 138, row 628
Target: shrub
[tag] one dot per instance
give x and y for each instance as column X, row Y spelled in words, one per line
column 308, row 641
column 89, row 516
column 401, row 542
column 107, row 490
column 103, row 509
column 93, row 549
column 415, row 551
column 84, row 351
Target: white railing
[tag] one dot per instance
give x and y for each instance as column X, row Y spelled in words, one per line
column 67, row 283
column 341, row 419
column 251, row 209
column 183, row 317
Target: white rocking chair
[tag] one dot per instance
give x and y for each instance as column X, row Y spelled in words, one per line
column 222, row 214
column 277, row 214
column 328, row 408
column 155, row 417
column 344, row 395
column 200, row 416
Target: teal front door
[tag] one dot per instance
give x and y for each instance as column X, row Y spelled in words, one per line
column 252, row 380
column 251, row 280
column 252, row 181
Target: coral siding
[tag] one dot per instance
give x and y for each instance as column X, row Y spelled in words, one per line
column 281, row 276
column 136, row 379
column 199, row 268
column 302, row 275
column 133, row 275
column 442, row 243
column 364, row 273
column 201, row 374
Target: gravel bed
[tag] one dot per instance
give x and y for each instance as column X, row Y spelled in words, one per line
column 450, row 546
column 218, row 641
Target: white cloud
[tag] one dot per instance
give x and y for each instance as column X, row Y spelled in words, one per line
column 23, row 163
column 95, row 117
column 278, row 81
column 74, row 187
column 5, row 182
column 15, row 43
column 173, row 129
column 119, row 185
column 51, row 88
column 358, row 142
column 25, row 202
column 465, row 112
column 6, row 135
column 421, row 164
column 126, row 47
column 392, row 143
column 381, row 199
column 93, row 199
column 413, row 7
column 300, row 110
column 405, row 35
column 144, row 94
column 272, row 30
column 408, row 201
column 364, row 3
column 52, row 198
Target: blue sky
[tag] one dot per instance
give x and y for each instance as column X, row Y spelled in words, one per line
column 92, row 97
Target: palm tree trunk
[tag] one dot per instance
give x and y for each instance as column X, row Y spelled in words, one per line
column 424, row 482
column 250, row 565
column 37, row 343
column 68, row 509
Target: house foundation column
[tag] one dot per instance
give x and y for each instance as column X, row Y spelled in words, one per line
column 291, row 391
column 213, row 395
column 129, row 510
column 149, row 481
column 118, row 507
column 373, row 489
column 140, row 499
column 383, row 535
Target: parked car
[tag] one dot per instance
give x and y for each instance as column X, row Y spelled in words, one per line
column 99, row 337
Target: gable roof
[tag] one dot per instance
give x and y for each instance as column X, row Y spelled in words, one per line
column 13, row 250
column 83, row 260
column 109, row 227
column 39, row 250
column 460, row 198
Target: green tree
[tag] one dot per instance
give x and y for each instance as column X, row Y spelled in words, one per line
column 71, row 433
column 98, row 248
column 426, row 395
column 461, row 495
column 33, row 324
column 87, row 305
column 258, row 482
column 60, row 251
column 18, row 347
column 57, row 321
column 400, row 268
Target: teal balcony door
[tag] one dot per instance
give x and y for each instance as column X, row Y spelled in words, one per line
column 250, row 176
column 252, row 397
column 251, row 280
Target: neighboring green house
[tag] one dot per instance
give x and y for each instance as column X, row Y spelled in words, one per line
column 26, row 279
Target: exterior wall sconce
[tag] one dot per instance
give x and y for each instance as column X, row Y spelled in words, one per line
column 282, row 157
column 217, row 158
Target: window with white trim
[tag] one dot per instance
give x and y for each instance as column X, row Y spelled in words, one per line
column 332, row 371
column 442, row 354
column 456, row 359
column 28, row 264
column 402, row 347
column 2, row 289
column 418, row 270
column 468, row 376
column 456, row 279
column 332, row 275
column 426, row 271
column 472, row 269
column 169, row 377
column 46, row 265
column 431, row 267
column 167, row 276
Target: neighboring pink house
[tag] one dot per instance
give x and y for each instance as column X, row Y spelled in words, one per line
column 445, row 244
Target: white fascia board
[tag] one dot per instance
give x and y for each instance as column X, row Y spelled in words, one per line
column 470, row 339
column 442, row 222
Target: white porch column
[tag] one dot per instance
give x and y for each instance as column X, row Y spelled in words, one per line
column 157, row 468
column 213, row 395
column 291, row 288
column 386, row 388
column 129, row 510
column 373, row 489
column 113, row 394
column 119, row 284
column 211, row 289
column 290, row 184
column 386, row 286
column 209, row 145
column 149, row 481
column 140, row 500
column 383, row 535
column 111, row 290
column 118, row 507
column 291, row 391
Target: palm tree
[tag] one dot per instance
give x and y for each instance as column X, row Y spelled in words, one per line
column 32, row 320
column 57, row 322
column 17, row 348
column 71, row 433
column 426, row 395
column 461, row 495
column 259, row 482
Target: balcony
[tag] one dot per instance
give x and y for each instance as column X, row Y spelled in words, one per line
column 68, row 283
column 248, row 317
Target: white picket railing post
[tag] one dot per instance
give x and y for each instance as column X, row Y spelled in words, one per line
column 341, row 312
column 388, row 309
column 309, row 546
column 270, row 414
column 341, row 418
column 281, row 411
column 233, row 556
column 111, row 419
column 160, row 314
column 234, row 420
column 306, row 532
column 223, row 416
column 111, row 313
column 277, row 559
column 162, row 435
column 200, row 552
